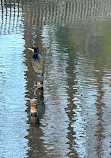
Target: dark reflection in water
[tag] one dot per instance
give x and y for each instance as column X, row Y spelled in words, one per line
column 35, row 133
column 74, row 111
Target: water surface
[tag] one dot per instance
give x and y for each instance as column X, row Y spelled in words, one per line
column 74, row 111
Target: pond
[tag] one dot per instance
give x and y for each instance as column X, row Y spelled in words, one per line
column 74, row 109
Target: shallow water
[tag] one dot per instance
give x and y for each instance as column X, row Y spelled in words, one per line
column 74, row 111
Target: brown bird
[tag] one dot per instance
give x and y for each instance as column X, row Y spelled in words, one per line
column 37, row 63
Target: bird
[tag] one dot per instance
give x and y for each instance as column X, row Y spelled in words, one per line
column 37, row 63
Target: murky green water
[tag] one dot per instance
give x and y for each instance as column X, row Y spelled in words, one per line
column 74, row 111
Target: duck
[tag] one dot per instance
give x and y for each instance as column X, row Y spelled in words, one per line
column 37, row 63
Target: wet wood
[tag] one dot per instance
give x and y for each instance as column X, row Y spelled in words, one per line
column 33, row 107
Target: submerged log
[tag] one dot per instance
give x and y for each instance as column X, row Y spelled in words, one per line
column 33, row 107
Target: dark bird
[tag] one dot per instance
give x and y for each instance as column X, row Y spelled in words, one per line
column 37, row 63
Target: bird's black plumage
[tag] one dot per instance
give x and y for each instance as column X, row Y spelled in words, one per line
column 35, row 53
column 37, row 63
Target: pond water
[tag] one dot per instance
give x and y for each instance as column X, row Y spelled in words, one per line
column 74, row 110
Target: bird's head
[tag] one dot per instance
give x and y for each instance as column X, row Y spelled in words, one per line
column 35, row 51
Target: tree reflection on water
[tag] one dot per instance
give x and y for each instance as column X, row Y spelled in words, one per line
column 74, row 110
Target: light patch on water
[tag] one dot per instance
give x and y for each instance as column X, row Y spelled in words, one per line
column 13, row 118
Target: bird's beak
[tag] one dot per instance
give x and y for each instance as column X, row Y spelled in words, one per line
column 31, row 49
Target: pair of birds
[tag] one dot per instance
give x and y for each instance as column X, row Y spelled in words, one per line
column 37, row 63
